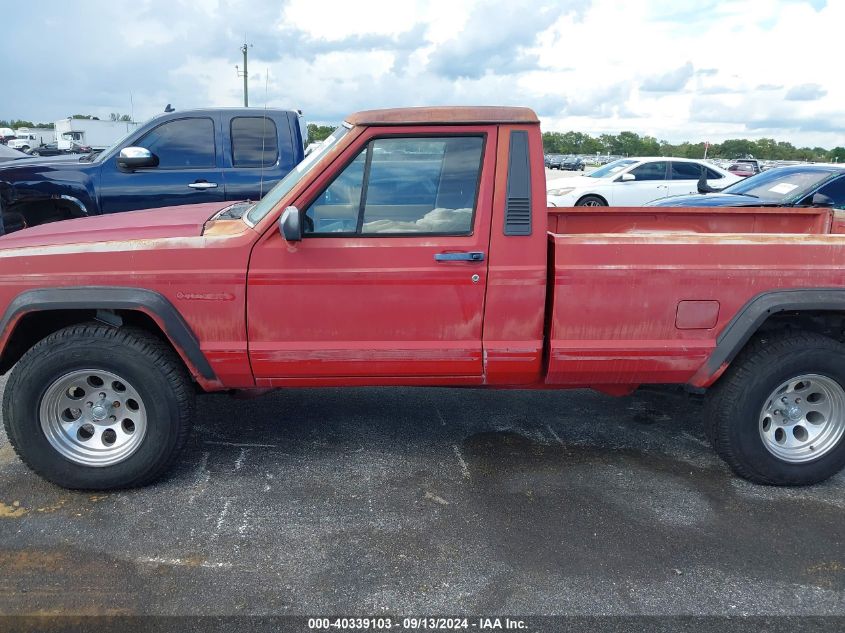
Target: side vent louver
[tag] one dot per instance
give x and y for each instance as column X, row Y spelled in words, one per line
column 518, row 204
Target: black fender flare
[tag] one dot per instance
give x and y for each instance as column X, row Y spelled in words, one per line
column 115, row 298
column 751, row 316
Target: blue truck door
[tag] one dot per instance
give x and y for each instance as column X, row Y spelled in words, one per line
column 261, row 151
column 188, row 172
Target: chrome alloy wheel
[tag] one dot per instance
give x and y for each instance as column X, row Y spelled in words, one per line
column 93, row 417
column 803, row 419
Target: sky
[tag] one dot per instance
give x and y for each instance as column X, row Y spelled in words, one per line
column 699, row 70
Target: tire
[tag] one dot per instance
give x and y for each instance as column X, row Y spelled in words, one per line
column 35, row 152
column 745, row 401
column 136, row 433
column 591, row 201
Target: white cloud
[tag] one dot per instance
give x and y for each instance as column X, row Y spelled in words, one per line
column 674, row 69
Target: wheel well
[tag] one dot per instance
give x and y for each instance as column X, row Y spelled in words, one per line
column 830, row 323
column 591, row 195
column 35, row 326
column 44, row 210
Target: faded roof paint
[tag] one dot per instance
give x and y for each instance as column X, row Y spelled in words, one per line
column 444, row 114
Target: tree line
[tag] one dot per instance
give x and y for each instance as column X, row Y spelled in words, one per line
column 632, row 144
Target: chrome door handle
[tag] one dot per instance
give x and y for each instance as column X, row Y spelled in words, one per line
column 475, row 256
column 203, row 185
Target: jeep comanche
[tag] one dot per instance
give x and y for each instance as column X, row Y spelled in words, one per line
column 415, row 248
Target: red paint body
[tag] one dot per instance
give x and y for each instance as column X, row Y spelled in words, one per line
column 609, row 298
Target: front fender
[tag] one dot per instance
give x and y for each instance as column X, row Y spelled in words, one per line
column 68, row 181
column 151, row 303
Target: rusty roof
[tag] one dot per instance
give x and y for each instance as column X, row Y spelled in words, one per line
column 444, row 114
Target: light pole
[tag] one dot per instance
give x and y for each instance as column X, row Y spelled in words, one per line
column 243, row 73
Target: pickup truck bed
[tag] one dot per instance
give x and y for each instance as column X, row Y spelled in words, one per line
column 678, row 279
column 415, row 247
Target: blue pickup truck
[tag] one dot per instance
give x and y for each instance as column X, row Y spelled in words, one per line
column 176, row 158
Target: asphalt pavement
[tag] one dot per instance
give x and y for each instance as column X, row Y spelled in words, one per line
column 429, row 501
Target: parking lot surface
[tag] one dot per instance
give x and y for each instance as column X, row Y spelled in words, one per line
column 429, row 501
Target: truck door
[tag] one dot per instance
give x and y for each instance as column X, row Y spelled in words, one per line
column 187, row 172
column 258, row 152
column 389, row 278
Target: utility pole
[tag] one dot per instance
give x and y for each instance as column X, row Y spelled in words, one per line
column 243, row 73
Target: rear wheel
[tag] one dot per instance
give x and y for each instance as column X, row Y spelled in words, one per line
column 591, row 201
column 96, row 407
column 777, row 416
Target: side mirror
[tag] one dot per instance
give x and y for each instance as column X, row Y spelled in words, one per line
column 821, row 200
column 135, row 157
column 627, row 178
column 290, row 226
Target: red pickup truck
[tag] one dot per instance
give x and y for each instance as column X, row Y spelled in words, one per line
column 415, row 248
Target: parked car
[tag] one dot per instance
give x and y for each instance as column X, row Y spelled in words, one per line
column 793, row 186
column 632, row 182
column 386, row 259
column 555, row 161
column 742, row 170
column 47, row 149
column 176, row 158
column 573, row 163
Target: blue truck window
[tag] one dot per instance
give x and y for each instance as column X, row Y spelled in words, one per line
column 254, row 142
column 183, row 143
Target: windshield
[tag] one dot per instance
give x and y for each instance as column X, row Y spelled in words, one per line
column 266, row 204
column 611, row 169
column 779, row 185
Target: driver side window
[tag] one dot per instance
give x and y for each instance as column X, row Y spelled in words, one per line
column 650, row 171
column 397, row 186
column 182, row 144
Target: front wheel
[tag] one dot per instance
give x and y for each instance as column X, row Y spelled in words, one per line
column 777, row 416
column 591, row 201
column 35, row 152
column 95, row 407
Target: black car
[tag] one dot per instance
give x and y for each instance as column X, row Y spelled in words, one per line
column 793, row 186
column 47, row 149
column 572, row 163
column 555, row 161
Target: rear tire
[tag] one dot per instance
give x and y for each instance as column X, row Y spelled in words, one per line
column 777, row 416
column 96, row 407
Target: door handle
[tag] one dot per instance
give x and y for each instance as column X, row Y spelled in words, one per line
column 202, row 184
column 474, row 256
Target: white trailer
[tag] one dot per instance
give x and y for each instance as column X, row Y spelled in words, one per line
column 93, row 133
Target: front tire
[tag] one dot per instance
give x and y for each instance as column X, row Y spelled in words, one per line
column 96, row 407
column 591, row 201
column 777, row 416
